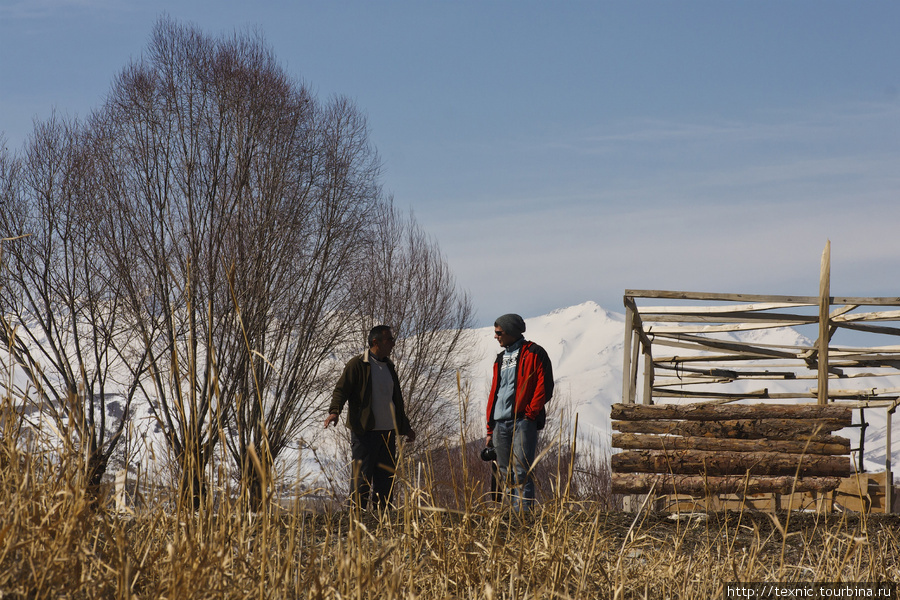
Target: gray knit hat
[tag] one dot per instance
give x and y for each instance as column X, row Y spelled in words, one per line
column 511, row 323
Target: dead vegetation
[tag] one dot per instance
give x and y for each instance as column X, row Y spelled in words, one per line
column 58, row 540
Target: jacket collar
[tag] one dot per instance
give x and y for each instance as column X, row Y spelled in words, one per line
column 524, row 344
column 367, row 355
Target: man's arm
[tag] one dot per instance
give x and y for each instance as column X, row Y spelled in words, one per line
column 340, row 395
column 543, row 385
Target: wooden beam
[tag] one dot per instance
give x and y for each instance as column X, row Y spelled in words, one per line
column 722, row 462
column 870, row 328
column 658, row 329
column 762, row 394
column 635, row 355
column 637, row 441
column 744, row 429
column 782, row 318
column 716, row 412
column 703, row 343
column 753, row 298
column 648, row 376
column 626, row 352
column 642, row 483
column 723, row 309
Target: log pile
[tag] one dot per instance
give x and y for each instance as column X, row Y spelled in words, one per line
column 709, row 449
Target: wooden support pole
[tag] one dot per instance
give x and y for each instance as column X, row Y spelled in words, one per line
column 626, row 353
column 824, row 309
column 648, row 376
column 635, row 355
column 888, row 474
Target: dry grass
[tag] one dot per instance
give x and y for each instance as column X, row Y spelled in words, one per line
column 57, row 540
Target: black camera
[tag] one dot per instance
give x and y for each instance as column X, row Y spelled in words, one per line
column 488, row 454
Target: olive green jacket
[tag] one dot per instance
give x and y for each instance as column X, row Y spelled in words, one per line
column 355, row 389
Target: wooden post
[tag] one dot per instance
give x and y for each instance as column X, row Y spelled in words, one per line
column 626, row 354
column 824, row 306
column 888, row 476
column 862, row 441
column 635, row 356
column 648, row 376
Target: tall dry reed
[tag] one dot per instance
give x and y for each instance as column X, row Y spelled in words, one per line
column 59, row 541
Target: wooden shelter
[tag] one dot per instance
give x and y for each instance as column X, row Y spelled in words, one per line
column 724, row 395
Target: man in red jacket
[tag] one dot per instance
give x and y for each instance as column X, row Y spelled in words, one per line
column 522, row 384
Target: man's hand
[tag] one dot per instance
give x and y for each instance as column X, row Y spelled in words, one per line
column 332, row 419
column 488, row 440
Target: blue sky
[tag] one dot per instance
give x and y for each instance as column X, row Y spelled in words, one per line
column 565, row 151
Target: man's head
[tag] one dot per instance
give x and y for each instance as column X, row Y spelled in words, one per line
column 508, row 329
column 381, row 341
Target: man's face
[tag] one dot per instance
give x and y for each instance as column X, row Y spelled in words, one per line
column 384, row 344
column 502, row 337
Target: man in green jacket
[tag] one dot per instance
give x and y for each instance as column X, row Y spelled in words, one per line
column 371, row 389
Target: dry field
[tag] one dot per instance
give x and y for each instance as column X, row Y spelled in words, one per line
column 59, row 539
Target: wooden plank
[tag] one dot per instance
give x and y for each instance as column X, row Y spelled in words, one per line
column 758, row 362
column 637, row 441
column 743, row 429
column 667, row 483
column 863, row 492
column 716, row 412
column 691, row 380
column 738, row 317
column 694, row 394
column 723, row 309
column 718, row 297
column 704, row 329
column 705, row 343
column 721, row 462
column 870, row 328
column 883, row 315
column 727, row 373
column 754, row 298
column 863, row 399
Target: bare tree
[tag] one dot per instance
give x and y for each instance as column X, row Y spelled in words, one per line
column 236, row 204
column 59, row 313
column 407, row 283
column 218, row 233
column 294, row 257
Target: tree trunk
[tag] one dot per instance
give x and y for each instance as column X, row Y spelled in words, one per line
column 717, row 412
column 636, row 441
column 729, row 463
column 641, row 483
column 779, row 429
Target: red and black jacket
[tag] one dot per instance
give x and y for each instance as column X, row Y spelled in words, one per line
column 534, row 385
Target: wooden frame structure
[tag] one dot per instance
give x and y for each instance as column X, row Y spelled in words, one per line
column 704, row 348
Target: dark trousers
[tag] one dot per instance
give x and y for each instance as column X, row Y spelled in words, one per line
column 372, row 472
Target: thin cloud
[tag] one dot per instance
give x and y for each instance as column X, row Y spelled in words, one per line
column 822, row 123
column 40, row 9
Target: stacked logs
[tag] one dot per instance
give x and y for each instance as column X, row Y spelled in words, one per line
column 709, row 449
